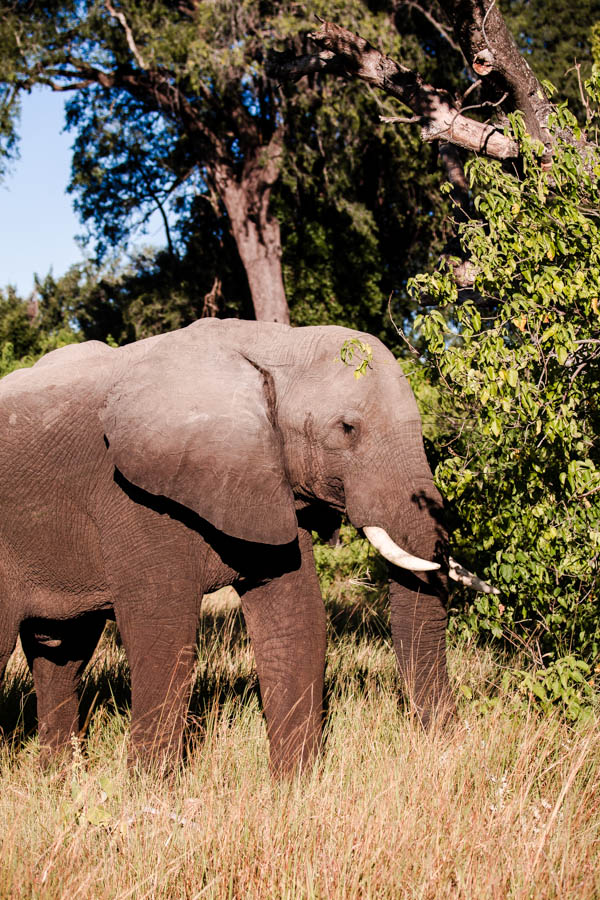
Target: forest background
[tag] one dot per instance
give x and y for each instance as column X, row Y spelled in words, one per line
column 300, row 201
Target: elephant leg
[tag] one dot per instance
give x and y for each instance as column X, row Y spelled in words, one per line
column 9, row 631
column 160, row 643
column 57, row 654
column 419, row 619
column 286, row 622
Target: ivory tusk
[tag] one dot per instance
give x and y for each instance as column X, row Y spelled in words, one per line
column 395, row 554
column 463, row 576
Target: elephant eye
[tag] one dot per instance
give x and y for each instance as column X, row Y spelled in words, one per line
column 343, row 433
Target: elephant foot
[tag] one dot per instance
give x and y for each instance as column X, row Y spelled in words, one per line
column 440, row 716
column 155, row 758
column 56, row 760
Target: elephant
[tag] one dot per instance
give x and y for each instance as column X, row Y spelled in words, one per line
column 134, row 480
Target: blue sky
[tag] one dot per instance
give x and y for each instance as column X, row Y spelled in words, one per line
column 37, row 222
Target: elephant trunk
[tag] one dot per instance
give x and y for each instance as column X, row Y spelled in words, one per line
column 419, row 619
column 406, row 524
column 418, row 605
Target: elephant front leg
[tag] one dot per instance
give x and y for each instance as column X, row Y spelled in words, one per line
column 419, row 619
column 286, row 622
column 57, row 654
column 160, row 645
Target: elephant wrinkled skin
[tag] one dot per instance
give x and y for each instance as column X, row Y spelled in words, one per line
column 135, row 480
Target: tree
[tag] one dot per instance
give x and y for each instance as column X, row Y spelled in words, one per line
column 24, row 335
column 511, row 335
column 172, row 110
column 185, row 72
column 558, row 44
column 521, row 407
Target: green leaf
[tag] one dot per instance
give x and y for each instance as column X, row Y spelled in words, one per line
column 97, row 815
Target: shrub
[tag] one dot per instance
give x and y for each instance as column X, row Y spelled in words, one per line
column 518, row 364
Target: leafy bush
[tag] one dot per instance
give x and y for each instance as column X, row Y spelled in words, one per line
column 350, row 568
column 25, row 335
column 9, row 361
column 518, row 363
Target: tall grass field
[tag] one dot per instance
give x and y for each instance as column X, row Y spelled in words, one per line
column 506, row 805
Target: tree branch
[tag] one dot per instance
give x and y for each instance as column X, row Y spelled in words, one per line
column 411, row 4
column 341, row 52
column 150, row 86
column 486, row 42
column 120, row 17
column 76, row 86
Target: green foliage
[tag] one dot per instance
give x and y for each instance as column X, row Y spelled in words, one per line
column 350, row 567
column 565, row 683
column 358, row 353
column 358, row 200
column 25, row 335
column 153, row 293
column 564, row 686
column 519, row 365
column 16, row 325
column 555, row 41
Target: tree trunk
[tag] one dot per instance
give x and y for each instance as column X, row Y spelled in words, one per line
column 256, row 232
column 259, row 246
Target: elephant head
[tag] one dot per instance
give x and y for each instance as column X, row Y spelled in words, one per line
column 235, row 418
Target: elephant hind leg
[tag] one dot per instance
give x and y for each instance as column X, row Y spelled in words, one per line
column 57, row 653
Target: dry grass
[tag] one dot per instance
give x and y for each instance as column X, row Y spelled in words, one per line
column 505, row 807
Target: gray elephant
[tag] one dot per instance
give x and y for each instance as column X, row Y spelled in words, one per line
column 135, row 480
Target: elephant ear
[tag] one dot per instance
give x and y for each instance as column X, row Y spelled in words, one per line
column 196, row 423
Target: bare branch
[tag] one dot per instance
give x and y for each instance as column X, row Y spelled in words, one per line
column 347, row 54
column 287, row 67
column 483, row 103
column 436, row 24
column 472, row 87
column 80, row 75
column 585, row 100
column 400, row 331
column 210, row 307
column 401, row 120
column 75, row 86
column 120, row 17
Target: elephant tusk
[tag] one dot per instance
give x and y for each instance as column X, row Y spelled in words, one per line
column 463, row 576
column 395, row 554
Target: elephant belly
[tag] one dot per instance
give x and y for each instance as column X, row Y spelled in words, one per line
column 52, row 460
column 53, row 556
column 146, row 543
